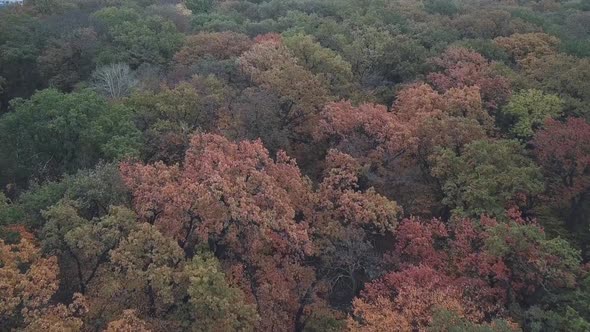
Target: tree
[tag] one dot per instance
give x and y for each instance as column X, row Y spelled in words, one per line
column 418, row 103
column 114, row 81
column 69, row 59
column 128, row 322
column 563, row 151
column 405, row 299
column 20, row 47
column 444, row 320
column 212, row 53
column 529, row 109
column 520, row 46
column 367, row 132
column 564, row 75
column 29, row 281
column 84, row 245
column 175, row 292
column 365, row 50
column 346, row 221
column 489, row 23
column 135, row 39
column 54, row 133
column 60, row 317
column 253, row 115
column 92, row 191
column 217, row 305
column 168, row 118
column 487, row 177
column 322, row 61
column 301, row 93
column 146, row 260
column 394, row 146
column 189, row 104
column 472, row 269
column 247, row 207
column 199, row 6
column 443, row 7
column 460, row 67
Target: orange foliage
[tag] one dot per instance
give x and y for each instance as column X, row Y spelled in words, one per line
column 460, row 67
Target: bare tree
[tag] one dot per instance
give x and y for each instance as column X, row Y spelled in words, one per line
column 114, row 81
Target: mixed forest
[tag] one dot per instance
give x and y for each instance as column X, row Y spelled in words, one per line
column 295, row 165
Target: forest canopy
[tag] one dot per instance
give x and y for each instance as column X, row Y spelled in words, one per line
column 295, row 165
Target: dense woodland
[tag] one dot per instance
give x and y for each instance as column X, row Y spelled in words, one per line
column 295, row 165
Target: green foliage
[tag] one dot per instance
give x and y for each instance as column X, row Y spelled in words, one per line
column 20, row 41
column 199, row 6
column 135, row 39
column 442, row 7
column 217, row 305
column 487, row 177
column 564, row 75
column 323, row 61
column 254, row 242
column 94, row 191
column 10, row 214
column 55, row 133
column 168, row 118
column 448, row 321
column 549, row 320
column 485, row 47
column 569, row 310
column 505, row 241
column 529, row 109
column 83, row 245
column 48, row 7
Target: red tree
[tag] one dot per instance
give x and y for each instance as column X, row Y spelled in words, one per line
column 255, row 213
column 563, row 150
column 460, row 67
column 250, row 209
column 475, row 269
column 396, row 145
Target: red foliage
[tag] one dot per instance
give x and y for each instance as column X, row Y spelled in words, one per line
column 475, row 268
column 563, row 150
column 416, row 242
column 235, row 196
column 460, row 67
column 367, row 132
column 254, row 212
column 413, row 294
column 392, row 144
column 272, row 37
column 371, row 133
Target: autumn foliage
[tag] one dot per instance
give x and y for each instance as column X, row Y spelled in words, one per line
column 295, row 165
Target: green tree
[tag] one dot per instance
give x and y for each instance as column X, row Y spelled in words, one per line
column 20, row 40
column 83, row 245
column 442, row 7
column 448, row 321
column 199, row 6
column 561, row 74
column 94, row 191
column 68, row 59
column 53, row 133
column 322, row 61
column 487, row 177
column 168, row 117
column 135, row 39
column 217, row 305
column 529, row 109
column 149, row 272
